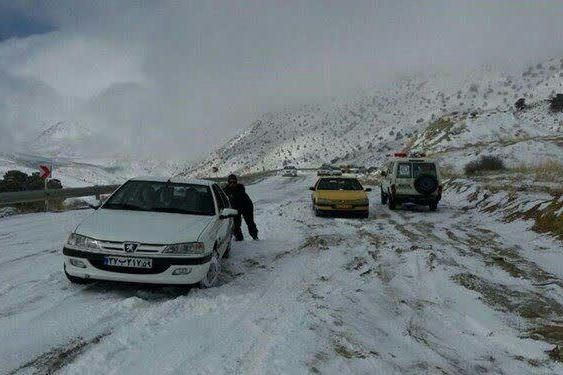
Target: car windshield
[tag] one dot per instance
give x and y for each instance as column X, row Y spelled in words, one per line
column 163, row 197
column 339, row 184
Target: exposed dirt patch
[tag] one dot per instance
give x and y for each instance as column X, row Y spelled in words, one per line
column 550, row 333
column 356, row 264
column 556, row 353
column 321, row 241
column 57, row 358
column 530, row 305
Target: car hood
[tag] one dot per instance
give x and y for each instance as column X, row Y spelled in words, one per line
column 143, row 227
column 342, row 194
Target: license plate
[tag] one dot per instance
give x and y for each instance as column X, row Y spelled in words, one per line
column 343, row 206
column 128, row 262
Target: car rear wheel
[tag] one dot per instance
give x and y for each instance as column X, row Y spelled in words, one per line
column 433, row 206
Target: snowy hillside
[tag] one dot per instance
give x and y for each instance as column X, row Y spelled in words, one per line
column 62, row 139
column 365, row 129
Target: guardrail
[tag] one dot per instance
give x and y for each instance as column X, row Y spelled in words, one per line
column 43, row 195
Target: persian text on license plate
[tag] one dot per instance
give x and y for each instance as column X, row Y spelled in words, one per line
column 128, row 262
column 343, row 206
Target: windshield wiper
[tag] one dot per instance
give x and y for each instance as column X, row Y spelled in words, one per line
column 174, row 210
column 123, row 206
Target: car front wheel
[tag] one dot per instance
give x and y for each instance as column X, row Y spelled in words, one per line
column 210, row 279
column 383, row 197
column 433, row 206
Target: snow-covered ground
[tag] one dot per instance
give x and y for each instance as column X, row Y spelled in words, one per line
column 410, row 291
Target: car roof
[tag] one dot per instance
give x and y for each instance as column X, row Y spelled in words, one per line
column 407, row 159
column 177, row 180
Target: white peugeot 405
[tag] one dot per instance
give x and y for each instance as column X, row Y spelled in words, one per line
column 154, row 231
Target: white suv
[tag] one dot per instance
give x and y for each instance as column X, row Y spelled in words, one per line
column 156, row 231
column 413, row 179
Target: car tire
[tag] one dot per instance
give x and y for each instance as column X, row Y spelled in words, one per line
column 364, row 215
column 78, row 280
column 383, row 198
column 227, row 253
column 433, row 206
column 212, row 276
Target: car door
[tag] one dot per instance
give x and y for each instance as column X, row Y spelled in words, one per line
column 224, row 226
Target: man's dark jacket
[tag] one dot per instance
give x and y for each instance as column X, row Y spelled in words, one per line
column 239, row 199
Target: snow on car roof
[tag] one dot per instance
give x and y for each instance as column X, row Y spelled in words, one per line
column 178, row 180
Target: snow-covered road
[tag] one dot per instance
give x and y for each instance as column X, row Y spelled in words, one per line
column 409, row 291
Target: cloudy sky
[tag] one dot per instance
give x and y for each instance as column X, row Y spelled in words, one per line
column 176, row 78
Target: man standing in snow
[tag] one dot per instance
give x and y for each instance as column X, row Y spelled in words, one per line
column 241, row 202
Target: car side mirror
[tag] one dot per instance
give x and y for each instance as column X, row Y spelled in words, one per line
column 227, row 213
column 312, row 188
column 367, row 189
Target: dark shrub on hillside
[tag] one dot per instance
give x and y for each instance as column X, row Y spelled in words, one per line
column 556, row 103
column 486, row 163
column 520, row 104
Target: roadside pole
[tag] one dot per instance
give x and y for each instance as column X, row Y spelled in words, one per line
column 45, row 172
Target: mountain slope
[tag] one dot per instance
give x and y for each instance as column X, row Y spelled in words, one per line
column 366, row 128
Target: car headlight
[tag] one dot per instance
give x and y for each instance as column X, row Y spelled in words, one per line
column 83, row 242
column 324, row 202
column 185, row 248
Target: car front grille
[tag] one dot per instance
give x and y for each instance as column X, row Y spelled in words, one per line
column 115, row 246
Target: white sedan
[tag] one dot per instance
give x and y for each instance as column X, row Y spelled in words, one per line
column 156, row 231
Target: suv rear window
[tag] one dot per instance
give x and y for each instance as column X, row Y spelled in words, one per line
column 423, row 168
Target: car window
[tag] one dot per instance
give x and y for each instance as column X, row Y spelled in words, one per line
column 423, row 168
column 158, row 196
column 225, row 198
column 220, row 201
column 339, row 184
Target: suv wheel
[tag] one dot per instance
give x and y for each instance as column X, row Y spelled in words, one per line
column 433, row 206
column 383, row 197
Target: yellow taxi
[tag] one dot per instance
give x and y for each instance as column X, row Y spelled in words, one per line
column 340, row 195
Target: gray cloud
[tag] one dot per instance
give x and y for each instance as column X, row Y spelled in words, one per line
column 176, row 78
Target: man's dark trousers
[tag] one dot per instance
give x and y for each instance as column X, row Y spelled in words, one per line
column 248, row 216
